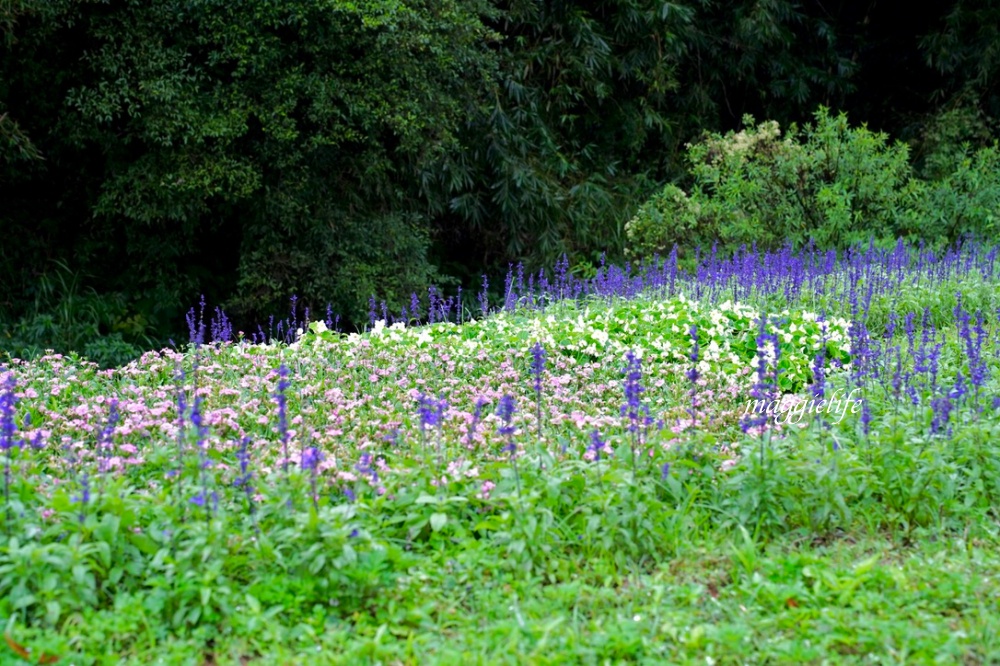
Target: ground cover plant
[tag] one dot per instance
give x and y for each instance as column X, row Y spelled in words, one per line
column 781, row 458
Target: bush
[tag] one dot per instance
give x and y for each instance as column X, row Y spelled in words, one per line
column 965, row 202
column 828, row 183
column 65, row 317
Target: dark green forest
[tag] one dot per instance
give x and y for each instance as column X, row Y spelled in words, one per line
column 154, row 151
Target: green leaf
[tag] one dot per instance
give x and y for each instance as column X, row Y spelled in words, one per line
column 438, row 521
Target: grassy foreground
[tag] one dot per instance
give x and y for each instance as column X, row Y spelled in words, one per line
column 604, row 480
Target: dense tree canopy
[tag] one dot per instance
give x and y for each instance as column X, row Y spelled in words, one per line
column 275, row 144
column 155, row 150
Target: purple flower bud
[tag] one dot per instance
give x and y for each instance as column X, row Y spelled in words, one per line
column 538, row 365
column 282, row 401
column 505, row 410
column 633, row 390
column 596, row 445
column 311, row 458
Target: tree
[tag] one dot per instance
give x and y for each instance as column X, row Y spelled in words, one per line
column 596, row 102
column 245, row 150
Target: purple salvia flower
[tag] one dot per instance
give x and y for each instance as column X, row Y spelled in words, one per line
column 201, row 437
column 433, row 306
column 282, row 401
column 311, row 458
column 537, row 365
column 762, row 388
column 890, row 328
column 105, row 444
column 910, row 332
column 537, row 370
column 978, row 369
column 692, row 374
column 106, row 436
column 246, row 474
column 818, row 388
column 942, row 413
column 84, row 497
column 8, row 407
column 506, row 410
column 911, row 390
column 960, row 389
column 200, row 337
column 192, row 326
column 365, row 467
column 414, row 307
column 431, row 411
column 633, row 391
column 8, row 437
column 202, row 498
column 777, row 366
column 181, row 408
column 510, row 298
column 634, row 410
column 897, row 375
column 476, row 417
column 596, row 444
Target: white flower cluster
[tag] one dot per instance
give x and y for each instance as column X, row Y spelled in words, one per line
column 658, row 329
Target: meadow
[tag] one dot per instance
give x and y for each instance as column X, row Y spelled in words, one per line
column 778, row 458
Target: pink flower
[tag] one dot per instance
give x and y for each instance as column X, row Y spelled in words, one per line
column 484, row 490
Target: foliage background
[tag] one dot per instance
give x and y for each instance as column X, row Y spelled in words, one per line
column 151, row 152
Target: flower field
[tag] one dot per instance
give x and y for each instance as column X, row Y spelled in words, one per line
column 787, row 458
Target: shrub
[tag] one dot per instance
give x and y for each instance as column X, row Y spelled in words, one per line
column 965, row 202
column 828, row 183
column 66, row 316
column 668, row 210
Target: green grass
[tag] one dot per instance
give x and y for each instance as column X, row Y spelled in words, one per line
column 687, row 541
